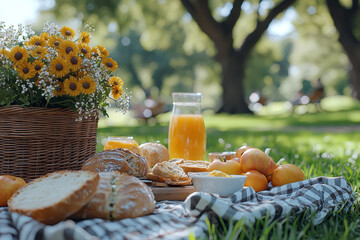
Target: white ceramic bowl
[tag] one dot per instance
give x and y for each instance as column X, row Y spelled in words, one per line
column 224, row 186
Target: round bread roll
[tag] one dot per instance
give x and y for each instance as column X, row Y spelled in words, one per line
column 118, row 196
column 119, row 159
column 154, row 153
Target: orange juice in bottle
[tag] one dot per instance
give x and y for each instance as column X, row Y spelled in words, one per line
column 187, row 135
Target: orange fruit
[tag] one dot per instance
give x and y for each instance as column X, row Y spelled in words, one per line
column 256, row 180
column 8, row 186
column 287, row 173
column 230, row 167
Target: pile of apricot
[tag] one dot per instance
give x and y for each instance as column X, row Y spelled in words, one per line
column 259, row 169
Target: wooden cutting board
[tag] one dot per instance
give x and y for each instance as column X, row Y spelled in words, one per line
column 178, row 193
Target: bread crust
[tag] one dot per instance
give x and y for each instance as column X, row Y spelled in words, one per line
column 177, row 160
column 151, row 176
column 63, row 208
column 98, row 205
column 133, row 198
column 120, row 159
column 118, row 196
column 154, row 153
column 179, row 183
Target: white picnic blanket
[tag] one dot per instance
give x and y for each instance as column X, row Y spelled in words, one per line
column 176, row 220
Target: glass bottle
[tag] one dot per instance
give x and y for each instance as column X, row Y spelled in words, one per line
column 187, row 135
column 120, row 142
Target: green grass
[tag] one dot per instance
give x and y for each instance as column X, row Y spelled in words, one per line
column 296, row 139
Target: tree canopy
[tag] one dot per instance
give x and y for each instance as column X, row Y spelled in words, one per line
column 161, row 49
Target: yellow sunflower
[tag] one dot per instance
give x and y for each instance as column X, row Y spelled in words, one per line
column 67, row 32
column 110, row 64
column 25, row 70
column 72, row 86
column 55, row 41
column 45, row 36
column 115, row 82
column 85, row 50
column 116, row 92
column 74, row 61
column 87, row 85
column 59, row 91
column 59, row 67
column 84, row 38
column 18, row 54
column 38, row 65
column 39, row 52
column 67, row 47
column 104, row 53
column 36, row 41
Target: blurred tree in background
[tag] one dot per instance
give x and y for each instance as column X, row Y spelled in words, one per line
column 161, row 49
column 346, row 17
column 233, row 58
column 316, row 53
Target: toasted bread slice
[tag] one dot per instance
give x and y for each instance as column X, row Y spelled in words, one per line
column 179, row 183
column 154, row 177
column 55, row 196
column 170, row 171
column 194, row 166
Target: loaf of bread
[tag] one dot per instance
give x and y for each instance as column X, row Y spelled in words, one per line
column 154, row 153
column 119, row 159
column 55, row 196
column 118, row 196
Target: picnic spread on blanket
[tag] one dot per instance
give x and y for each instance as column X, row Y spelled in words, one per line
column 149, row 191
column 177, row 219
column 121, row 194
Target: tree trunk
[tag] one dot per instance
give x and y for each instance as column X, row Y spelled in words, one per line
column 355, row 77
column 233, row 74
column 344, row 19
column 232, row 61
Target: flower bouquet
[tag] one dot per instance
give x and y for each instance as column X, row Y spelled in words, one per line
column 53, row 86
column 57, row 69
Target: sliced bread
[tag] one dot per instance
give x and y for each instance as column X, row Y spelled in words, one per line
column 194, row 166
column 55, row 196
column 170, row 170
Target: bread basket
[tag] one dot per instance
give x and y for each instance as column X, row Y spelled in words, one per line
column 36, row 141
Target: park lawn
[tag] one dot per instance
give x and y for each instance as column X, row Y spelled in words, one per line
column 296, row 139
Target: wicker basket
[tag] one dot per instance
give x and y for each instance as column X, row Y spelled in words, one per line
column 37, row 141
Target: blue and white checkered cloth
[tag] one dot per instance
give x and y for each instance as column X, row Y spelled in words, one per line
column 321, row 196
